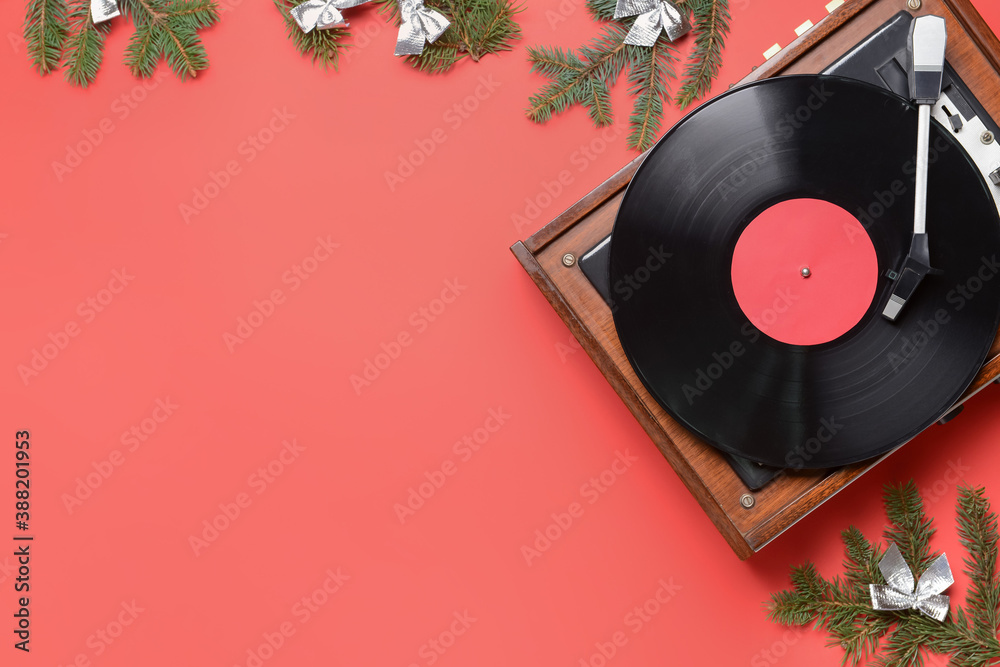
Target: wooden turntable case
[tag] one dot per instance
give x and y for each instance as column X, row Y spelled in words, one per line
column 974, row 52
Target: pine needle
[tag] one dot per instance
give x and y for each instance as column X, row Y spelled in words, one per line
column 142, row 52
column 908, row 527
column 84, row 47
column 45, row 29
column 711, row 26
column 575, row 76
column 322, row 46
column 603, row 10
column 56, row 34
column 977, row 529
column 478, row 28
column 169, row 29
column 585, row 77
column 649, row 78
column 843, row 606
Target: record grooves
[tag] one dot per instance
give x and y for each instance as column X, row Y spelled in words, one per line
column 803, row 406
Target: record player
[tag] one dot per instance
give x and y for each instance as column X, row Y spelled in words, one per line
column 764, row 423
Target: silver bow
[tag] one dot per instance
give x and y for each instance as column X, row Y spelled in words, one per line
column 322, row 14
column 901, row 594
column 420, row 25
column 653, row 16
column 103, row 10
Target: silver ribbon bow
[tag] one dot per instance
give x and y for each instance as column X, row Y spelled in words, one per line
column 103, row 10
column 420, row 25
column 322, row 14
column 901, row 593
column 653, row 16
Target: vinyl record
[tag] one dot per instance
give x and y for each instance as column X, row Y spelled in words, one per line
column 725, row 374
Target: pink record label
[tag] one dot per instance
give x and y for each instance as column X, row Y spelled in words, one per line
column 804, row 271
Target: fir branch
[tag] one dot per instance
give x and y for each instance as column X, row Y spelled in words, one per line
column 45, row 29
column 439, row 56
column 909, row 529
column 494, row 28
column 322, row 46
column 183, row 50
column 602, row 61
column 390, row 10
column 478, row 28
column 142, row 52
column 711, row 25
column 843, row 607
column 168, row 28
column 597, row 102
column 836, row 605
column 194, row 14
column 84, row 47
column 977, row 530
column 602, row 10
column 553, row 61
column 649, row 69
column 649, row 77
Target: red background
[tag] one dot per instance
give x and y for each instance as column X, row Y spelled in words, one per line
column 497, row 345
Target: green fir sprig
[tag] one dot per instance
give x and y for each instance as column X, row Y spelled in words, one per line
column 44, row 33
column 711, row 25
column 57, row 33
column 84, row 47
column 322, row 46
column 586, row 77
column 168, row 28
column 477, row 28
column 842, row 605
